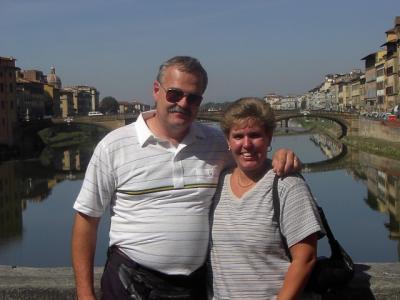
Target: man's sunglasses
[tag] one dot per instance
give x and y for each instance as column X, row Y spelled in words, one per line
column 175, row 95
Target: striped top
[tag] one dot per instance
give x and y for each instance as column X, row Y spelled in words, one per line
column 159, row 194
column 247, row 257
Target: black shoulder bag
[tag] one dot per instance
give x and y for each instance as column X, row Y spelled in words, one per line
column 329, row 273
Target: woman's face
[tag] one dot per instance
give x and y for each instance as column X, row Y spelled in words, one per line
column 249, row 142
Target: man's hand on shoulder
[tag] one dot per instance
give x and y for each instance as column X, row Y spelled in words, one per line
column 285, row 162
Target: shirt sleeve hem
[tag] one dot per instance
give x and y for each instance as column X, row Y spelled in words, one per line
column 87, row 211
column 298, row 238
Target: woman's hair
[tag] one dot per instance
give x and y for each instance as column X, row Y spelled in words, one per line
column 248, row 108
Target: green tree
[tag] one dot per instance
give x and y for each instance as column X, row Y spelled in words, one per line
column 109, row 105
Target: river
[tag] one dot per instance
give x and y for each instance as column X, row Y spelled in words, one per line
column 359, row 192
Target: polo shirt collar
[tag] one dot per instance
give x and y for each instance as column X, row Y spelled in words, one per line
column 144, row 134
column 142, row 130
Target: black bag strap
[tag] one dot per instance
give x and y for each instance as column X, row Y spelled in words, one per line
column 277, row 211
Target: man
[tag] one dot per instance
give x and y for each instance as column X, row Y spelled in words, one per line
column 158, row 176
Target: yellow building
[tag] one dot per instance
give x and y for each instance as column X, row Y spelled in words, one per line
column 54, row 93
column 38, row 96
column 380, row 80
column 85, row 99
column 66, row 103
column 8, row 107
column 392, row 45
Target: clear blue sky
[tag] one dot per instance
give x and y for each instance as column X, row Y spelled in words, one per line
column 249, row 48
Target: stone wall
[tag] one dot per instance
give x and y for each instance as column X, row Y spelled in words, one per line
column 378, row 281
column 384, row 130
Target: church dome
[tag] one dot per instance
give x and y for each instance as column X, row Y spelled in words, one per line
column 53, row 79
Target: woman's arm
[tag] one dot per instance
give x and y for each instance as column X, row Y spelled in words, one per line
column 304, row 256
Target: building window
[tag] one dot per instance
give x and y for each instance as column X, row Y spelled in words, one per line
column 380, row 72
column 2, row 104
column 1, row 88
column 380, row 99
column 389, row 71
column 389, row 90
column 380, row 85
column 11, row 88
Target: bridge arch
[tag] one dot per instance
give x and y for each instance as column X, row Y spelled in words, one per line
column 343, row 124
column 340, row 119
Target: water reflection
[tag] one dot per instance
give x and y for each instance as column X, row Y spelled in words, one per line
column 336, row 155
column 33, row 180
column 45, row 184
column 10, row 204
column 380, row 175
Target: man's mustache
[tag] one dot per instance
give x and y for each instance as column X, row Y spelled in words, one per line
column 179, row 109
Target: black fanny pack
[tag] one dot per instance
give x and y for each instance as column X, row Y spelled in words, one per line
column 142, row 283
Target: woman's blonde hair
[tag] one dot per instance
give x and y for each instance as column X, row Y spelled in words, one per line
column 249, row 108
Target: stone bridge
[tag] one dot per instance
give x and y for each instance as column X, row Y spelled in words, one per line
column 110, row 122
column 348, row 122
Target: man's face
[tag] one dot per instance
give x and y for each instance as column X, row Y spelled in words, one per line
column 177, row 117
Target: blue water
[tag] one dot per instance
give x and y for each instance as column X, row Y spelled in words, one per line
column 46, row 224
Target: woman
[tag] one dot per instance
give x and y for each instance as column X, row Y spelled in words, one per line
column 248, row 259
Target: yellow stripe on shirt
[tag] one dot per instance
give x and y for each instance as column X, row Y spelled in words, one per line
column 167, row 188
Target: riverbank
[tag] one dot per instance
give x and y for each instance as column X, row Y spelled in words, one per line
column 371, row 281
column 373, row 145
column 66, row 135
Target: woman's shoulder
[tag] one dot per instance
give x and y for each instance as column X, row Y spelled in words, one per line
column 225, row 174
column 292, row 178
column 291, row 181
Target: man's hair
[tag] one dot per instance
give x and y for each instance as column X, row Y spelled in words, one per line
column 185, row 64
column 248, row 108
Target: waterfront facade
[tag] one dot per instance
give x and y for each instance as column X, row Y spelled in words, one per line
column 392, row 66
column 84, row 99
column 280, row 102
column 338, row 92
column 375, row 89
column 382, row 73
column 36, row 96
column 132, row 107
column 66, row 103
column 8, row 107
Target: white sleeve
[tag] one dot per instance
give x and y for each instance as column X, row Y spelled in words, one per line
column 299, row 214
column 98, row 186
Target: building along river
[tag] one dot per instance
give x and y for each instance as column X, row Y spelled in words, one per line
column 359, row 193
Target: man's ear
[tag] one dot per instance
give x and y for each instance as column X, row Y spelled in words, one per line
column 156, row 89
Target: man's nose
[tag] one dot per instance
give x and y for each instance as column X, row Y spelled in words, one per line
column 184, row 101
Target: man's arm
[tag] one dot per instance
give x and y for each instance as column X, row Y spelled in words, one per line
column 84, row 236
column 285, row 162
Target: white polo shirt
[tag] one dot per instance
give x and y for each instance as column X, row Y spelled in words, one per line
column 159, row 194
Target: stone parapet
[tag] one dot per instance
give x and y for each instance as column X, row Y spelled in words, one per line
column 372, row 281
column 389, row 131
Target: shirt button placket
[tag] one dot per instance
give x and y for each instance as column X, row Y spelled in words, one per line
column 178, row 173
